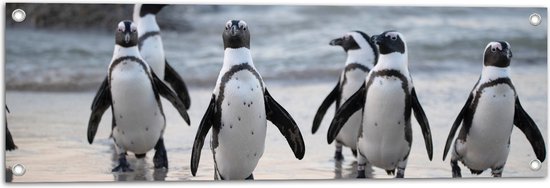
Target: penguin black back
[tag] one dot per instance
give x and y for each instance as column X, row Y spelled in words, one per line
column 389, row 42
column 150, row 9
column 126, row 34
column 497, row 54
column 236, row 34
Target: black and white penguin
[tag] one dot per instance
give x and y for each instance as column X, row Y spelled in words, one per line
column 361, row 57
column 152, row 50
column 386, row 99
column 238, row 112
column 488, row 117
column 132, row 91
column 10, row 144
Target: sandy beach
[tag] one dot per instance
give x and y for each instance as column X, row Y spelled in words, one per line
column 50, row 130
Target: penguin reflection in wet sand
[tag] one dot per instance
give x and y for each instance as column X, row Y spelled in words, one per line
column 488, row 117
column 238, row 112
column 386, row 100
column 152, row 50
column 361, row 57
column 132, row 91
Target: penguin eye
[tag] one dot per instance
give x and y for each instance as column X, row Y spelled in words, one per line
column 244, row 28
column 393, row 38
column 120, row 30
column 493, row 49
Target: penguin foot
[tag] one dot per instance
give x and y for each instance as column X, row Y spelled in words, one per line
column 361, row 171
column 161, row 158
column 361, row 174
column 456, row 169
column 400, row 172
column 251, row 177
column 123, row 166
column 338, row 156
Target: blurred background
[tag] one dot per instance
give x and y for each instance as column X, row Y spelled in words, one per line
column 69, row 46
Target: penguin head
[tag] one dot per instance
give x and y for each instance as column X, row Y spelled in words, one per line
column 352, row 41
column 236, row 34
column 389, row 42
column 126, row 34
column 497, row 54
column 148, row 9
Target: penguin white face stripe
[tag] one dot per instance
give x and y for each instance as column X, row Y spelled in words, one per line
column 494, row 46
column 360, row 40
column 242, row 24
column 394, row 35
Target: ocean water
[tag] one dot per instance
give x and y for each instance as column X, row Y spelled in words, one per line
column 288, row 42
column 52, row 74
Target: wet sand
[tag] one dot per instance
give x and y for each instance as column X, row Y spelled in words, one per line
column 50, row 130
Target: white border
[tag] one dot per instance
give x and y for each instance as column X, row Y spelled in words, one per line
column 408, row 183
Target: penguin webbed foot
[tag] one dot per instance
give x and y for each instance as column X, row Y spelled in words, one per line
column 251, row 177
column 455, row 169
column 123, row 166
column 338, row 156
column 161, row 158
column 361, row 171
column 400, row 173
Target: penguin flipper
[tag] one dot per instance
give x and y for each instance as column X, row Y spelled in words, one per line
column 101, row 102
column 177, row 83
column 423, row 122
column 10, row 145
column 210, row 117
column 525, row 123
column 331, row 98
column 286, row 125
column 165, row 92
column 353, row 104
column 465, row 111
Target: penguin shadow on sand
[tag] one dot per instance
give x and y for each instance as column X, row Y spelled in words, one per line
column 143, row 170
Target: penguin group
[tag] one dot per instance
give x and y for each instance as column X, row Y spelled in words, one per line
column 374, row 99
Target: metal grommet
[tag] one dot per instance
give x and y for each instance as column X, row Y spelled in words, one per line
column 535, row 19
column 18, row 170
column 535, row 165
column 18, row 15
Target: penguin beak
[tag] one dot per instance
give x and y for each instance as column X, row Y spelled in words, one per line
column 234, row 30
column 337, row 42
column 376, row 39
column 127, row 37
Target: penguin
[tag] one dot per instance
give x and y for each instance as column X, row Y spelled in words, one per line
column 238, row 112
column 132, row 91
column 386, row 100
column 361, row 57
column 152, row 50
column 10, row 144
column 488, row 117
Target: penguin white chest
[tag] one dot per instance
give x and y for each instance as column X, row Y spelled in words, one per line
column 138, row 117
column 242, row 132
column 349, row 133
column 152, row 52
column 488, row 139
column 383, row 141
